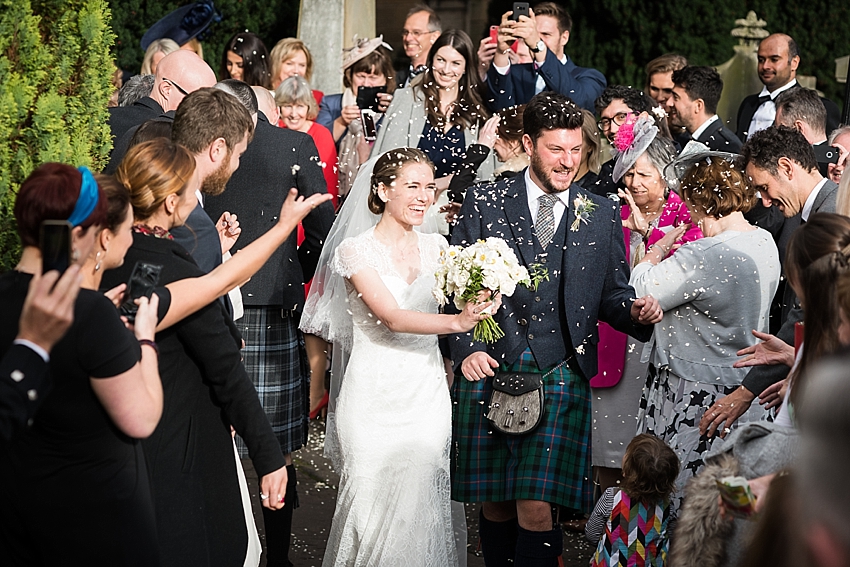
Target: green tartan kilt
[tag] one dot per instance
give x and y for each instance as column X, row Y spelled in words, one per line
column 549, row 464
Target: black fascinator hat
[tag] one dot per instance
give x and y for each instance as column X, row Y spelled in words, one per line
column 183, row 24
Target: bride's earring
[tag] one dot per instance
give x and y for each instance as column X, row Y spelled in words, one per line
column 99, row 262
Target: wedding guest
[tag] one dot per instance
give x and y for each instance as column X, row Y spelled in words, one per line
column 651, row 210
column 47, row 313
column 803, row 110
column 178, row 74
column 441, row 114
column 545, row 33
column 106, row 394
column 297, row 112
column 199, row 511
column 710, row 290
column 246, row 59
column 778, row 60
column 422, row 27
column 588, row 170
column 290, row 57
column 693, row 106
column 367, row 64
column 840, row 138
column 520, row 478
column 158, row 49
column 136, row 87
column 274, row 296
column 781, row 164
column 267, row 105
column 642, row 503
column 659, row 76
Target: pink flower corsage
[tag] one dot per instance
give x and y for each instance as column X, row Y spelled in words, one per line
column 625, row 136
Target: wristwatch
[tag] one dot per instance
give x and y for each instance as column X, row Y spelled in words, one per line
column 538, row 48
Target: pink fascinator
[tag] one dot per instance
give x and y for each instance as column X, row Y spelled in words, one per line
column 631, row 140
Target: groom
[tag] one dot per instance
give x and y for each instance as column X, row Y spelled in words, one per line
column 521, row 479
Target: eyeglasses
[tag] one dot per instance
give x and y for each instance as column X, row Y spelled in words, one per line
column 415, row 33
column 176, row 86
column 619, row 119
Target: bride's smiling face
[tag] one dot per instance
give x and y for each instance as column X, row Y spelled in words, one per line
column 408, row 198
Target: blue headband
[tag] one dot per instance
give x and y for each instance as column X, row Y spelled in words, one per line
column 87, row 200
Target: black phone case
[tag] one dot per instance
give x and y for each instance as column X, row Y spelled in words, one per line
column 142, row 282
column 367, row 97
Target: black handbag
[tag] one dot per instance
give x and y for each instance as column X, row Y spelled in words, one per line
column 516, row 404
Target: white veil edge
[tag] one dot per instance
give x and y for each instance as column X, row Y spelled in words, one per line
column 326, row 311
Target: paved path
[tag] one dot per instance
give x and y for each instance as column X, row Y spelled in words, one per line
column 317, row 484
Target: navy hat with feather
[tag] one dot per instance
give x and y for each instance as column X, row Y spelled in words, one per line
column 183, row 24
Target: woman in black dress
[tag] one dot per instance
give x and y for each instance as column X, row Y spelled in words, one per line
column 74, row 486
column 199, row 510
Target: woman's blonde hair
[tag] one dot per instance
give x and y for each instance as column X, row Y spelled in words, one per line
column 163, row 45
column 296, row 90
column 194, row 45
column 286, row 49
column 151, row 171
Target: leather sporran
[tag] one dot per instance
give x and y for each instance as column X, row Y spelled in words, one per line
column 516, row 404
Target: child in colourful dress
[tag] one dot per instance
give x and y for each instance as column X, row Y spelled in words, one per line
column 630, row 523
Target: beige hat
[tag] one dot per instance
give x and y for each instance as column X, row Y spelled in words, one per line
column 362, row 48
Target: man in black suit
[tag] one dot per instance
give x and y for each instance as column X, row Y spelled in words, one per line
column 550, row 331
column 177, row 75
column 276, row 160
column 803, row 110
column 24, row 371
column 693, row 106
column 778, row 59
column 782, row 166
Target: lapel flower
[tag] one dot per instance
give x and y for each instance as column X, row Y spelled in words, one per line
column 582, row 208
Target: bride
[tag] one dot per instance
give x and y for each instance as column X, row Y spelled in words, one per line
column 389, row 420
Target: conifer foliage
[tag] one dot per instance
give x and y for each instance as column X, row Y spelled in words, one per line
column 55, row 68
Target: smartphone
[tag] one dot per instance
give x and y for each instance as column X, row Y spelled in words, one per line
column 494, row 34
column 142, row 282
column 370, row 130
column 520, row 9
column 367, row 97
column 826, row 154
column 55, row 245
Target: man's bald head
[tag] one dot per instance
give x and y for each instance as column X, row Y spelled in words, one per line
column 778, row 59
column 267, row 105
column 179, row 74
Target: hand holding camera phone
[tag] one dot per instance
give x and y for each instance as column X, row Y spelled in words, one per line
column 520, row 9
column 142, row 282
column 367, row 97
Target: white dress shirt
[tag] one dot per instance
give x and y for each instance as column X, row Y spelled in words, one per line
column 698, row 132
column 534, row 193
column 810, row 201
column 766, row 113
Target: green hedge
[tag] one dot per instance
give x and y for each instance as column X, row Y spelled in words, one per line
column 271, row 20
column 55, row 69
column 619, row 37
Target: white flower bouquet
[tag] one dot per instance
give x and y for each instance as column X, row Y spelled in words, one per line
column 486, row 265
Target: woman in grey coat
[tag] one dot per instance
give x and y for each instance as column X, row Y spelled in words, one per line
column 714, row 291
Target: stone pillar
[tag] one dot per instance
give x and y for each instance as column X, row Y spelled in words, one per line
column 326, row 27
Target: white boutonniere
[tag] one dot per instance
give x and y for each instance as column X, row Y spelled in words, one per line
column 582, row 208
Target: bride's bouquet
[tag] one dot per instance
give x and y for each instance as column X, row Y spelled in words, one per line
column 486, row 265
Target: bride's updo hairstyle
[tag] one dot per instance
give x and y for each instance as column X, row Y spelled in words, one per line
column 151, row 171
column 388, row 168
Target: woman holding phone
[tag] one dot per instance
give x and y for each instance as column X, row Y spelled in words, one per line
column 439, row 114
column 367, row 64
column 74, row 486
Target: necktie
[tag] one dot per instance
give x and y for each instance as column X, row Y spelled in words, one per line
column 545, row 227
column 414, row 71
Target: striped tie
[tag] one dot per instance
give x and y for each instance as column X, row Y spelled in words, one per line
column 545, row 227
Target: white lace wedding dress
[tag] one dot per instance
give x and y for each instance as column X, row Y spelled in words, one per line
column 393, row 425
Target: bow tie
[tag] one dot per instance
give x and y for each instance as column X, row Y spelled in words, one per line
column 417, row 70
column 763, row 99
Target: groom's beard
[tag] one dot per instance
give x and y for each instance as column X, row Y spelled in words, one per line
column 545, row 176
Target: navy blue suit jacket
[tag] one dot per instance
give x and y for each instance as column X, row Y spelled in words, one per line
column 594, row 265
column 581, row 84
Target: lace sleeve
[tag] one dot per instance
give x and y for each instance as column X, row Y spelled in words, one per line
column 349, row 259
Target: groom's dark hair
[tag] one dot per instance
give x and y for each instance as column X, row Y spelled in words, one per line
column 550, row 111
